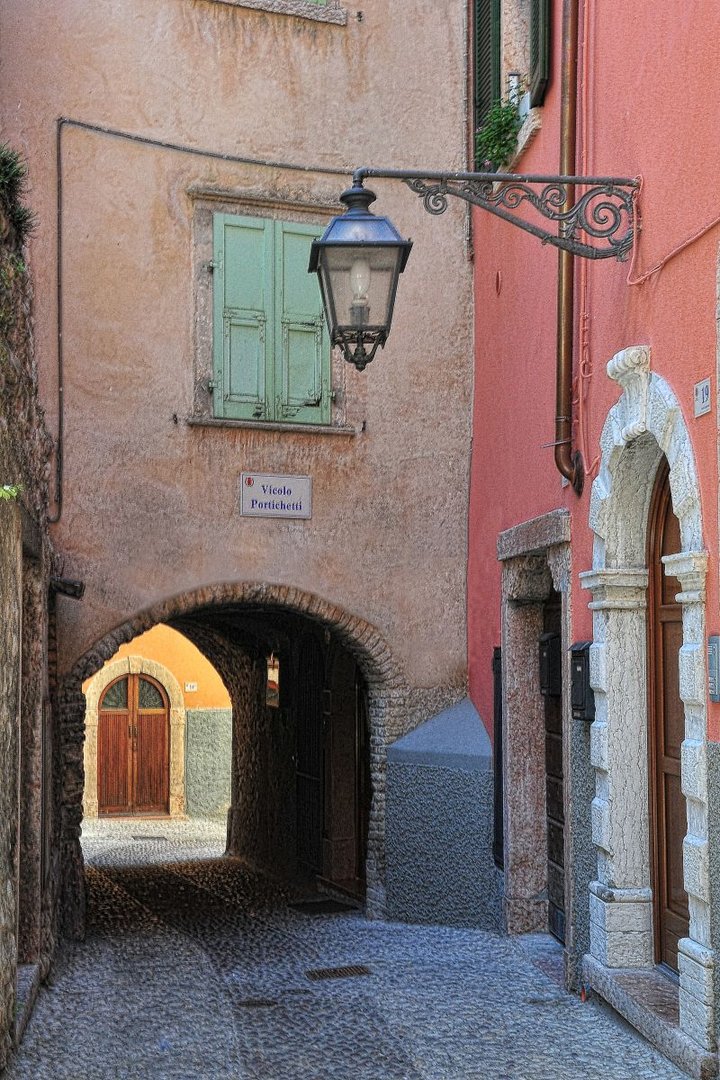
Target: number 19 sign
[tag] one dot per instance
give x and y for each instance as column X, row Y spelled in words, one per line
column 268, row 495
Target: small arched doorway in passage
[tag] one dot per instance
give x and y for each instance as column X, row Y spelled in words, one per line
column 133, row 747
column 666, row 728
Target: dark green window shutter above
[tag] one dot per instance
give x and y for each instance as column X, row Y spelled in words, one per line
column 271, row 352
column 487, row 57
column 539, row 51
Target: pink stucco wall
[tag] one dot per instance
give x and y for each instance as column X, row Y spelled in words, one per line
column 648, row 108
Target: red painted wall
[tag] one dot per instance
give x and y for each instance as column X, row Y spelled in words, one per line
column 648, row 105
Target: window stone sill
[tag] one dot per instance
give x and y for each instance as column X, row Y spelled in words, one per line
column 329, row 13
column 272, row 425
column 531, row 125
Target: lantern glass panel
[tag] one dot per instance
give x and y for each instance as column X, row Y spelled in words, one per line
column 362, row 283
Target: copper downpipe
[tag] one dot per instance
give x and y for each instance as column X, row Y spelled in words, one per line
column 569, row 463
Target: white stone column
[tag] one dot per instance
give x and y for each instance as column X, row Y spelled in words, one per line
column 696, row 958
column 621, row 932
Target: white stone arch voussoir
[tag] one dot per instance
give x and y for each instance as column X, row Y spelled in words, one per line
column 136, row 665
column 645, row 423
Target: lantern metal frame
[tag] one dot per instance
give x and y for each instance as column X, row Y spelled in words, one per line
column 358, row 229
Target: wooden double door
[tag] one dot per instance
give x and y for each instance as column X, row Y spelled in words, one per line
column 134, row 748
column 552, row 690
column 668, row 815
column 332, row 765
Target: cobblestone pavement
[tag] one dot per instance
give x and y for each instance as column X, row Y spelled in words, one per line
column 196, row 969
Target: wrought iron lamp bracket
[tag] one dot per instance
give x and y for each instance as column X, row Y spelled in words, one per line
column 602, row 211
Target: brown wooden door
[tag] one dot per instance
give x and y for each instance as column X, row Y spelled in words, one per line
column 551, row 683
column 668, row 814
column 309, row 755
column 133, row 748
column 363, row 781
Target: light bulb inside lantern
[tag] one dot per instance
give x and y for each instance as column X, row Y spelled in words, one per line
column 360, row 279
column 359, row 285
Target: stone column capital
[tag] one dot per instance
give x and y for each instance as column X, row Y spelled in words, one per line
column 690, row 568
column 616, row 589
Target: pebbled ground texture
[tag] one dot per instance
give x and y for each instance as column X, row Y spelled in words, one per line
column 195, row 968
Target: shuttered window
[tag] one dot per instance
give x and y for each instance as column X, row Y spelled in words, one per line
column 487, row 52
column 487, row 57
column 271, row 351
column 539, row 51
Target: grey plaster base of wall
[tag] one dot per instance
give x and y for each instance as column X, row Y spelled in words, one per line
column 713, row 779
column 439, row 847
column 208, row 740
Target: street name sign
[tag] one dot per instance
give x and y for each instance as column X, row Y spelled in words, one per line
column 268, row 495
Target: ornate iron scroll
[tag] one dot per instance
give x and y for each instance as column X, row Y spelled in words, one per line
column 595, row 223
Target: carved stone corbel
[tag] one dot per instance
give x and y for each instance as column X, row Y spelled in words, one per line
column 631, row 369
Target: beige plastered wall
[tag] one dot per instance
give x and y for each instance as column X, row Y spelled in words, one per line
column 150, row 501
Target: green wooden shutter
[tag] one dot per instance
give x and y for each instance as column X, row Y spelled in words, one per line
column 539, row 50
column 302, row 348
column 243, row 326
column 487, row 57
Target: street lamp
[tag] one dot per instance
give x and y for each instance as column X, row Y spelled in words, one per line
column 358, row 260
column 360, row 257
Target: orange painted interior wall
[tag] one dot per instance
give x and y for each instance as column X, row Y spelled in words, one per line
column 169, row 648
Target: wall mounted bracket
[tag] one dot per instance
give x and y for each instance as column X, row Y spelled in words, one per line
column 603, row 214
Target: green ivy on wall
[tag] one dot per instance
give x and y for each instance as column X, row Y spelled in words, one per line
column 496, row 140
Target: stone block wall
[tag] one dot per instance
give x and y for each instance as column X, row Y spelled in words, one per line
column 10, row 644
column 26, row 926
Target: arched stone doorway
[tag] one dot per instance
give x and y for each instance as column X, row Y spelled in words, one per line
column 645, row 426
column 236, row 627
column 135, row 665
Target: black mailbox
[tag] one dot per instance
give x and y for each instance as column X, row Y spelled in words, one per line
column 582, row 698
column 550, row 665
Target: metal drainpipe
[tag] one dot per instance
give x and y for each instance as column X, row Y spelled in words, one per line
column 569, row 463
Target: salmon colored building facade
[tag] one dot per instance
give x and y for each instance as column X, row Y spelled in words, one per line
column 626, row 861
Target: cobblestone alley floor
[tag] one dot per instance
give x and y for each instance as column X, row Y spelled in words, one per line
column 195, row 969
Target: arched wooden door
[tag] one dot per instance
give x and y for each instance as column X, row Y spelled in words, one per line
column 134, row 748
column 668, row 815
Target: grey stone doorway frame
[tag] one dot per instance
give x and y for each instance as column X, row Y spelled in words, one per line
column 535, row 558
column 644, row 424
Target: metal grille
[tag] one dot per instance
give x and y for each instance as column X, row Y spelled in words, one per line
column 338, row 972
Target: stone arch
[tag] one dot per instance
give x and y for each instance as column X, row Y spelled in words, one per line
column 390, row 711
column 136, row 665
column 644, row 424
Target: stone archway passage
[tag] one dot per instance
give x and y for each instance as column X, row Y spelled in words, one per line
column 221, row 620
